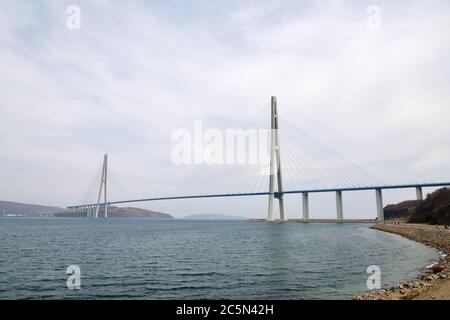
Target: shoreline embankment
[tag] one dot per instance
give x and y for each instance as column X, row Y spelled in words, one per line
column 434, row 282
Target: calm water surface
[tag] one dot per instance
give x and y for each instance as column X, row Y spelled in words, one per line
column 182, row 259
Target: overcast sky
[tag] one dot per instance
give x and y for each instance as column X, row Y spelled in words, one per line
column 377, row 93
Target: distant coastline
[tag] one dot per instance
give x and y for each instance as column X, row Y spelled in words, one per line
column 26, row 210
column 212, row 217
column 119, row 212
column 312, row 221
column 19, row 209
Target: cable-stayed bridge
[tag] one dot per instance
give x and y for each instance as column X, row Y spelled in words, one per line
column 311, row 163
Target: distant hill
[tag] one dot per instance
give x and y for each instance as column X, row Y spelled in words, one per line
column 32, row 210
column 121, row 212
column 27, row 210
column 435, row 209
column 212, row 217
column 401, row 210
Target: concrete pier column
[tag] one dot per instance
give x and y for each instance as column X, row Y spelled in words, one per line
column 339, row 206
column 419, row 193
column 380, row 210
column 305, row 201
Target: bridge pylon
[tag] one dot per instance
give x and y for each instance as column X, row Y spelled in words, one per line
column 275, row 164
column 103, row 187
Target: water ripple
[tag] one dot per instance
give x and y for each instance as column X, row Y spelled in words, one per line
column 148, row 259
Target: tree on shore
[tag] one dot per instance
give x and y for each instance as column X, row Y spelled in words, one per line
column 435, row 209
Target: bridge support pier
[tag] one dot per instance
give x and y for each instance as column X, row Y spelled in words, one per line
column 270, row 213
column 419, row 193
column 305, row 202
column 380, row 209
column 339, row 206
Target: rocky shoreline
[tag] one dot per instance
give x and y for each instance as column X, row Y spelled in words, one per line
column 434, row 282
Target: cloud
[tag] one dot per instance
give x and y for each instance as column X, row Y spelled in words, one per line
column 135, row 72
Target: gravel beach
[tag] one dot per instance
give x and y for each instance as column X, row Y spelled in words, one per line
column 434, row 282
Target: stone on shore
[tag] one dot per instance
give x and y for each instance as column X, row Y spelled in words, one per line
column 434, row 282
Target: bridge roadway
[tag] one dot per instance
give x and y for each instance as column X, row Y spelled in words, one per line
column 338, row 191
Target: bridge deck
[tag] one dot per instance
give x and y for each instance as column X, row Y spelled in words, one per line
column 362, row 188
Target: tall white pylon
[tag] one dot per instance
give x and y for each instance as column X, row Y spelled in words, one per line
column 275, row 164
column 103, row 187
